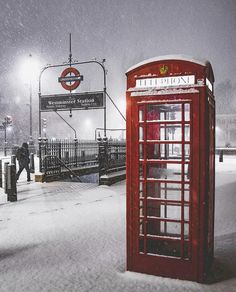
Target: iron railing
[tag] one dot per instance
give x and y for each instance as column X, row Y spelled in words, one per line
column 112, row 155
column 116, row 154
column 57, row 156
column 72, row 153
column 53, row 165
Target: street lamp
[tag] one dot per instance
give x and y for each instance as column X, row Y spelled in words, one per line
column 44, row 123
column 31, row 117
column 29, row 71
column 5, row 125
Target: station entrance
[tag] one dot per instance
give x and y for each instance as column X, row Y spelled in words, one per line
column 170, row 168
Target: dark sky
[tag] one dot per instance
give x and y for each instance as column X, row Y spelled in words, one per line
column 123, row 32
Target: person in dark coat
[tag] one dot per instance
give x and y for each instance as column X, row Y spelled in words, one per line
column 22, row 156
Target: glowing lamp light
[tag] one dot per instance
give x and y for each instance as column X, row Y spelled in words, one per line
column 88, row 122
column 9, row 129
column 29, row 69
column 17, row 99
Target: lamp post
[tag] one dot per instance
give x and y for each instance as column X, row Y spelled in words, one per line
column 29, row 70
column 5, row 138
column 7, row 122
column 31, row 142
column 44, row 122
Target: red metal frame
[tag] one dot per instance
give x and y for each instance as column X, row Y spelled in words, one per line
column 153, row 247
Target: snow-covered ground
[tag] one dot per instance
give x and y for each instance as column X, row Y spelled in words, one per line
column 64, row 236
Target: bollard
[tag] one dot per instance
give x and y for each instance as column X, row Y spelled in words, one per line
column 11, row 183
column 0, row 173
column 221, row 156
column 5, row 176
column 32, row 170
column 13, row 159
column 76, row 151
column 40, row 154
column 102, row 156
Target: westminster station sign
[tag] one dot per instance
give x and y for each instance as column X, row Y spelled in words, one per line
column 60, row 102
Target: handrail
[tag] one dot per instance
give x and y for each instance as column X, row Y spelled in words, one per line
column 63, row 164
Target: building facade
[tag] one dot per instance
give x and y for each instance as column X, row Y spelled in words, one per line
column 226, row 130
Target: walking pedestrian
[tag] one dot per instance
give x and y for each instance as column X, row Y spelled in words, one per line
column 22, row 156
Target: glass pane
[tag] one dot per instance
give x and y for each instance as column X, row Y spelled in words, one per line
column 167, row 132
column 168, row 171
column 141, row 195
column 187, row 112
column 171, row 132
column 161, row 210
column 153, row 112
column 164, row 151
column 186, row 212
column 140, row 151
column 164, row 247
column 154, row 228
column 141, row 170
column 154, row 151
column 153, row 209
column 165, row 112
column 172, row 229
column 154, row 190
column 153, row 132
column 186, row 172
column 187, row 132
column 187, row 152
column 141, row 208
column 186, row 231
column 141, row 226
column 167, row 191
column 141, row 134
column 186, row 192
column 164, row 132
column 141, row 115
column 175, row 151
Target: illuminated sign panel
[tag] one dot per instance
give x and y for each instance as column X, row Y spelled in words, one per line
column 166, row 81
column 208, row 84
column 91, row 100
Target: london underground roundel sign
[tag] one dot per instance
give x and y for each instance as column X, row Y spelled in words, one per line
column 70, row 78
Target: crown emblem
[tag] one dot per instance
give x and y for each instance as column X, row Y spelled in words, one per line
column 163, row 70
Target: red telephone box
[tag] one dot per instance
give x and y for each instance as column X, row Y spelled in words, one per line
column 170, row 167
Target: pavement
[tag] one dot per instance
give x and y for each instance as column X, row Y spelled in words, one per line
column 70, row 236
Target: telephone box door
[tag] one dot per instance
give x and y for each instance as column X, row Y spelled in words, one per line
column 164, row 218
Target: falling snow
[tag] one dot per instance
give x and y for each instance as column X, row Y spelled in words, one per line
column 122, row 32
